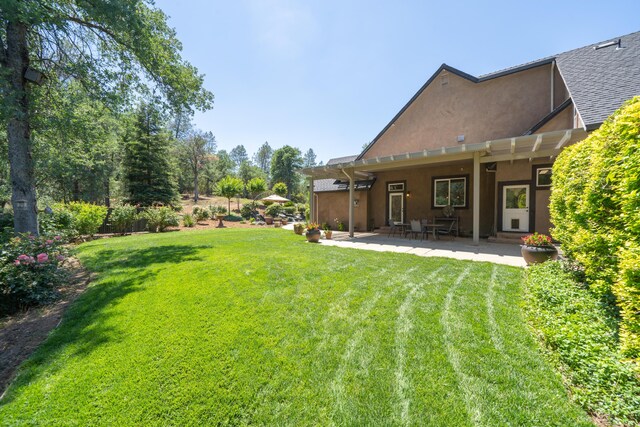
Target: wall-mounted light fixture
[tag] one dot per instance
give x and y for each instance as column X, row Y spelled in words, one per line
column 408, row 194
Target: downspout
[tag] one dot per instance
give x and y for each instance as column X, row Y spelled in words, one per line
column 553, row 67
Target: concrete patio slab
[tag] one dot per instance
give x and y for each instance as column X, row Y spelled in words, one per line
column 458, row 248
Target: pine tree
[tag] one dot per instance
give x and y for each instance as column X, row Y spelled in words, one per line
column 148, row 174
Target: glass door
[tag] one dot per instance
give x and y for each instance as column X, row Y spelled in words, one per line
column 515, row 208
column 396, row 208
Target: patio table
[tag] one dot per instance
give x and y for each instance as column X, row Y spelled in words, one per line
column 434, row 229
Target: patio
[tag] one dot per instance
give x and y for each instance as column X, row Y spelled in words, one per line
column 459, row 248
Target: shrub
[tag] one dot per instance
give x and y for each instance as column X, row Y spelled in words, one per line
column 217, row 210
column 59, row 221
column 247, row 211
column 273, row 210
column 123, row 217
column 580, row 336
column 288, row 204
column 159, row 219
column 280, row 188
column 594, row 207
column 233, row 218
column 200, row 214
column 87, row 217
column 627, row 290
column 30, row 271
column 268, row 202
column 289, row 210
column 188, row 221
column 6, row 221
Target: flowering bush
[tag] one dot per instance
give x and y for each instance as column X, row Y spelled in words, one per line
column 312, row 226
column 537, row 239
column 340, row 224
column 30, row 271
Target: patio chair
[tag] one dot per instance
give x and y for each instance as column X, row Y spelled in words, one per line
column 415, row 229
column 424, row 223
column 393, row 228
column 447, row 231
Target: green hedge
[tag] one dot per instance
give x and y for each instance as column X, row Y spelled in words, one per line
column 595, row 201
column 581, row 338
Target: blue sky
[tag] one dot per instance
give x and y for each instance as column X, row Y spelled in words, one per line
column 329, row 75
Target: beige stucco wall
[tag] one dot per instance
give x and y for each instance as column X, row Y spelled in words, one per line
column 543, row 222
column 498, row 108
column 335, row 204
column 564, row 120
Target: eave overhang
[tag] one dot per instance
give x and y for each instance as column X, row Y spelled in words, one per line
column 548, row 144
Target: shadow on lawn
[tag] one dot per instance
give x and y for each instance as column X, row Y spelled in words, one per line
column 83, row 326
column 107, row 260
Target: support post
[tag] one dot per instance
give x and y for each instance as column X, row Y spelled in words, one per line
column 351, row 197
column 476, row 198
column 311, row 200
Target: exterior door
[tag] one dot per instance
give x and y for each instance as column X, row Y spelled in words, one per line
column 396, row 208
column 515, row 209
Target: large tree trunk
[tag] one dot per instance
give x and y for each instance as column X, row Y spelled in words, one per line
column 23, row 195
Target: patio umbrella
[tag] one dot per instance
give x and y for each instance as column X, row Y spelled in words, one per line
column 275, row 198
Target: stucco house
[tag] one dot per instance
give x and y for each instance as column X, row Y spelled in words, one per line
column 483, row 145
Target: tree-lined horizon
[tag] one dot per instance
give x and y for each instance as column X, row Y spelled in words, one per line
column 77, row 80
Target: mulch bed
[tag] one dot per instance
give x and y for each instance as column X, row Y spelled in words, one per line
column 22, row 333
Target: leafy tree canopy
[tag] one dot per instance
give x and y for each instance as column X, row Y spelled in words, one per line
column 229, row 187
column 119, row 50
column 284, row 166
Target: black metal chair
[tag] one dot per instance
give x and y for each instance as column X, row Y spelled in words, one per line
column 393, row 228
column 416, row 228
column 447, row 231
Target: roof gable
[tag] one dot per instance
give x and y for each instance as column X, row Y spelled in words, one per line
column 598, row 80
column 459, row 73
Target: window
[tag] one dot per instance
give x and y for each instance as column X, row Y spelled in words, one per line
column 399, row 186
column 450, row 191
column 543, row 177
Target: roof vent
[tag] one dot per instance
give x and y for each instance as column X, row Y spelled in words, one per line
column 609, row 44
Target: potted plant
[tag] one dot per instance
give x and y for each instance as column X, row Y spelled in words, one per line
column 313, row 232
column 298, row 228
column 537, row 248
column 327, row 231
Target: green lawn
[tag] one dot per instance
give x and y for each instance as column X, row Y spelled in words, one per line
column 245, row 326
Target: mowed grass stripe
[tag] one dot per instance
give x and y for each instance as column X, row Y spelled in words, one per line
column 251, row 327
column 404, row 325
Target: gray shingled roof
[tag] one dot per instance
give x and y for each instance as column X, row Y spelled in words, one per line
column 344, row 159
column 600, row 80
column 330, row 184
column 321, row 185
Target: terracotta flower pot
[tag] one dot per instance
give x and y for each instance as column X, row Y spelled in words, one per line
column 313, row 236
column 328, row 234
column 268, row 220
column 538, row 254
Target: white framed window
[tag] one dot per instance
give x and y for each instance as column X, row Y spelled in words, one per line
column 450, row 191
column 543, row 177
column 396, row 186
